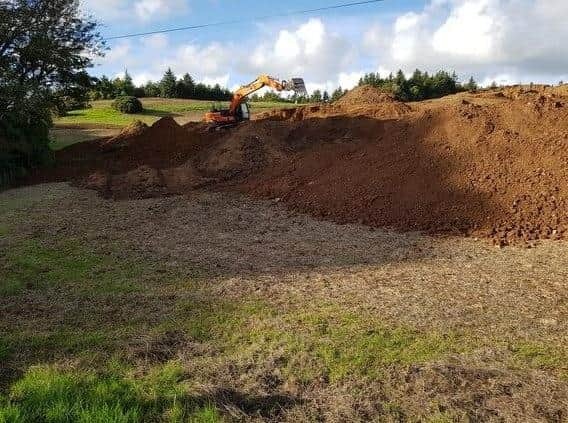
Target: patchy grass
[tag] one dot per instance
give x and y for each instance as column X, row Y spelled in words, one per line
column 35, row 266
column 317, row 341
column 50, row 394
column 96, row 336
column 59, row 343
column 4, row 230
column 541, row 356
column 6, row 349
column 102, row 113
column 341, row 344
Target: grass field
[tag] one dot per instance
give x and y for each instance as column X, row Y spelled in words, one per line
column 216, row 308
column 101, row 112
column 100, row 120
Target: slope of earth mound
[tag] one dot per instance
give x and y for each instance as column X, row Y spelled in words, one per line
column 365, row 94
column 482, row 164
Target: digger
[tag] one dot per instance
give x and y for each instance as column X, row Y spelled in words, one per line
column 239, row 110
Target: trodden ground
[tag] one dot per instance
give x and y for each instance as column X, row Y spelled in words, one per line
column 214, row 306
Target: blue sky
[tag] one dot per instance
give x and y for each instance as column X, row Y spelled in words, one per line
column 487, row 39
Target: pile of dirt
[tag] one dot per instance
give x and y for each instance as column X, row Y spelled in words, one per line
column 126, row 134
column 365, row 95
column 476, row 164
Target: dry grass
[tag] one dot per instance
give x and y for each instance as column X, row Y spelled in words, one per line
column 263, row 315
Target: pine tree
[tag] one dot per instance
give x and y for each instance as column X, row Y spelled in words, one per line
column 337, row 94
column 325, row 96
column 151, row 89
column 186, row 87
column 168, row 85
column 471, row 85
column 127, row 84
column 316, row 96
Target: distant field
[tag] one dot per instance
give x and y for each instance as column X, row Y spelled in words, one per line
column 101, row 112
column 100, row 120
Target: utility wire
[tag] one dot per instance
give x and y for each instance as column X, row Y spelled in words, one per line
column 238, row 21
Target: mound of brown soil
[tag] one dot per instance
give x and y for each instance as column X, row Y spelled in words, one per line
column 126, row 134
column 475, row 164
column 365, row 95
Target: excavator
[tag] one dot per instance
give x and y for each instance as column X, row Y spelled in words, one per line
column 239, row 110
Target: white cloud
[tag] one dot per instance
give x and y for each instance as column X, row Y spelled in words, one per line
column 310, row 50
column 144, row 10
column 106, row 9
column 140, row 79
column 212, row 61
column 473, row 30
column 118, row 54
column 406, row 37
column 508, row 41
column 223, row 81
column 156, row 41
column 349, row 80
column 511, row 39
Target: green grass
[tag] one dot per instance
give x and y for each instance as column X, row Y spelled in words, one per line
column 322, row 341
column 64, row 138
column 47, row 394
column 35, row 266
column 101, row 112
column 62, row 342
column 343, row 345
column 541, row 356
column 4, row 230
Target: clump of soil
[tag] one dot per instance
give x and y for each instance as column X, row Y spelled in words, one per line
column 481, row 164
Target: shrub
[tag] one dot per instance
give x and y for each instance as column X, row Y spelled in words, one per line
column 127, row 104
column 24, row 144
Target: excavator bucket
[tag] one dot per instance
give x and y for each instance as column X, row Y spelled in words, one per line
column 298, row 86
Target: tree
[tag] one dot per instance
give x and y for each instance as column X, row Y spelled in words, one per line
column 168, row 85
column 471, row 85
column 186, row 87
column 45, row 48
column 316, row 97
column 325, row 97
column 105, row 88
column 151, row 89
column 337, row 94
column 420, row 86
column 126, row 86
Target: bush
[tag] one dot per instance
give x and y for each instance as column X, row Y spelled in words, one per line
column 127, row 104
column 24, row 144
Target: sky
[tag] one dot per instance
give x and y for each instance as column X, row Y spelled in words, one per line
column 506, row 41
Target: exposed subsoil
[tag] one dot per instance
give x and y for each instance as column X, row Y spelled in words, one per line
column 492, row 164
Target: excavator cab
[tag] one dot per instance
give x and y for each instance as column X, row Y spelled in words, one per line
column 243, row 112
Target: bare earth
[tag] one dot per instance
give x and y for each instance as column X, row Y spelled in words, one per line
column 493, row 300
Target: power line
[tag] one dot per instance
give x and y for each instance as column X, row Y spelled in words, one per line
column 238, row 21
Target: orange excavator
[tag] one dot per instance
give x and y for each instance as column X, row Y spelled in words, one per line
column 239, row 110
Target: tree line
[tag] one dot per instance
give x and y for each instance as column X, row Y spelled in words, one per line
column 420, row 86
column 317, row 96
column 168, row 87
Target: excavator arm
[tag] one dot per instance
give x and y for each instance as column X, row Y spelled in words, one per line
column 295, row 84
